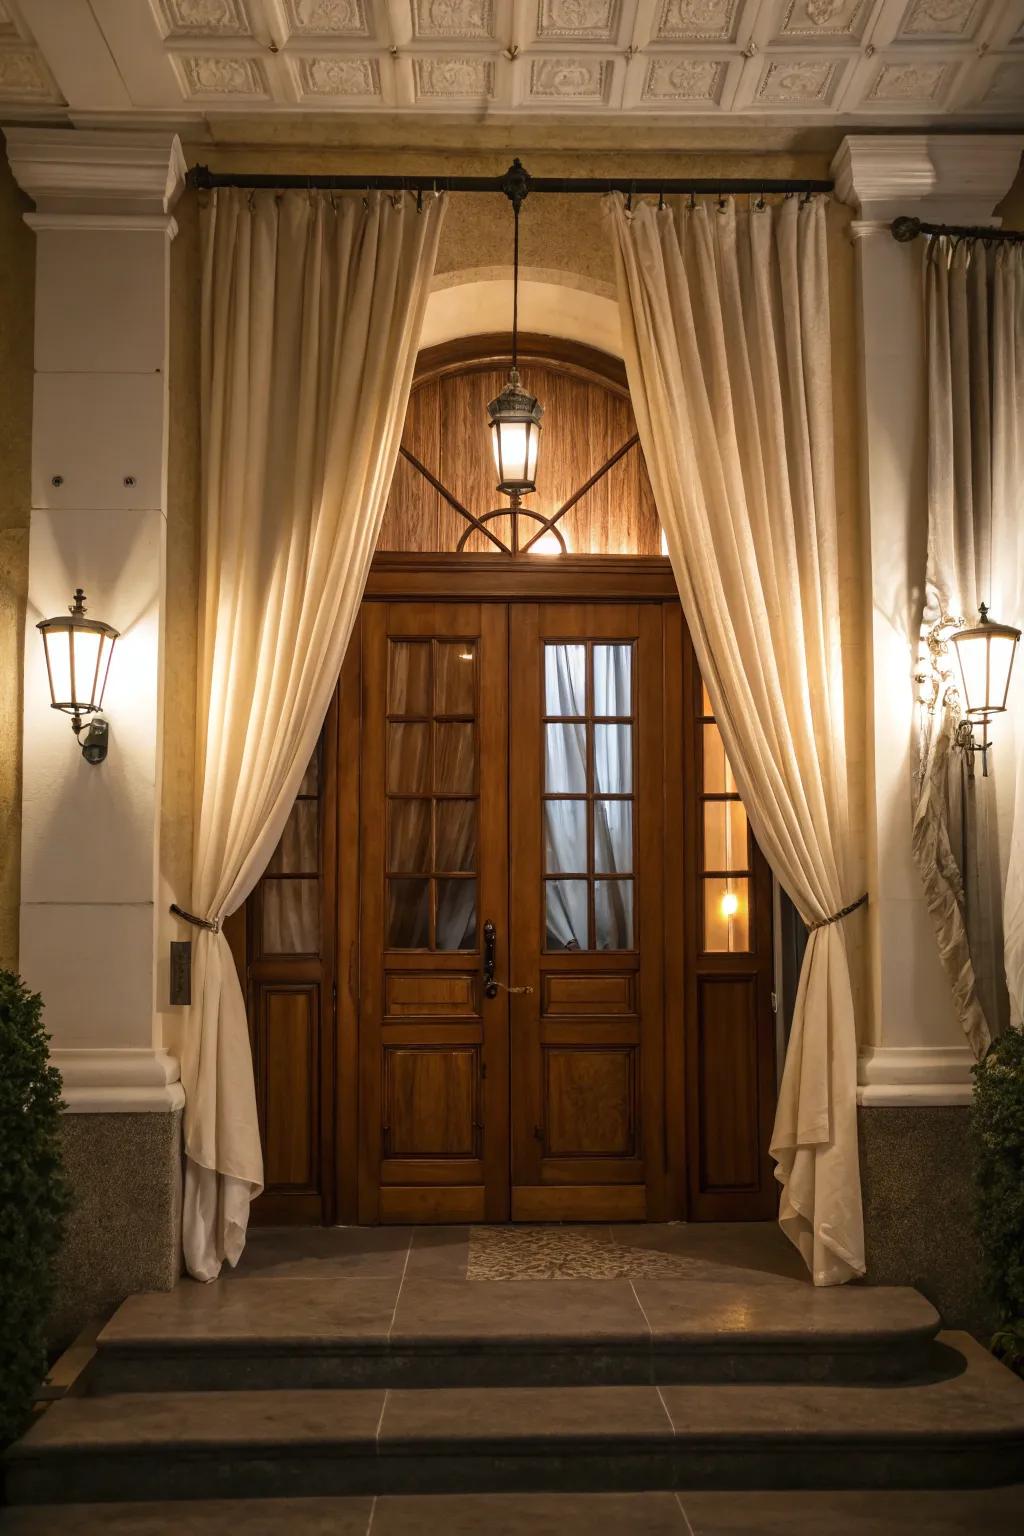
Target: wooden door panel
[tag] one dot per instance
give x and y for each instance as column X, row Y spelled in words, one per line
column 730, row 1158
column 585, row 853
column 433, row 1053
column 289, row 1037
column 590, row 1105
column 431, row 1101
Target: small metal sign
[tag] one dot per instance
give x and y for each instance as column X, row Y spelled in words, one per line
column 181, row 973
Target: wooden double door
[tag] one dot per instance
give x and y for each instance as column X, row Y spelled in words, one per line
column 511, row 1002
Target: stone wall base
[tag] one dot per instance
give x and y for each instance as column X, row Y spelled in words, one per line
column 917, row 1186
column 124, row 1232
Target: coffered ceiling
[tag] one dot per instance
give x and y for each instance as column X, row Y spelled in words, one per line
column 833, row 61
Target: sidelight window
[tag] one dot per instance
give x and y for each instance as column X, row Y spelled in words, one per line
column 290, row 888
column 725, row 845
column 588, row 795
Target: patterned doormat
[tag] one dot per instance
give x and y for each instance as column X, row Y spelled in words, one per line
column 568, row 1253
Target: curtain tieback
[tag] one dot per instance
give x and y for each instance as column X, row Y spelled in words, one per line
column 210, row 923
column 825, row 922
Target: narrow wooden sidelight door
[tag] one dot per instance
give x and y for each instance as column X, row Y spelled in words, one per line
column 434, row 859
column 586, row 1027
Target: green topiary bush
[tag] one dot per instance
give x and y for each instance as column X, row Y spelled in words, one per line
column 34, row 1199
column 997, row 1122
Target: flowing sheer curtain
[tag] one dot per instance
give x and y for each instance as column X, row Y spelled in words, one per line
column 725, row 317
column 312, row 312
column 974, row 307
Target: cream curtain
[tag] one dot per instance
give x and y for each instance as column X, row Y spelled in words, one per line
column 312, row 312
column 725, row 318
column 974, row 310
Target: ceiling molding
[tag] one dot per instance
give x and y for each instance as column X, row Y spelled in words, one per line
column 961, row 177
column 89, row 171
column 842, row 62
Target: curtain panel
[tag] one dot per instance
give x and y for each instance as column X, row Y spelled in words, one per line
column 312, row 310
column 968, row 832
column 725, row 318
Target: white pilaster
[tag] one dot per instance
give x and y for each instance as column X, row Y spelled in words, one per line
column 916, row 1053
column 99, row 502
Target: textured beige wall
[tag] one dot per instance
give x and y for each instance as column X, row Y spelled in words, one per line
column 17, row 281
column 182, row 566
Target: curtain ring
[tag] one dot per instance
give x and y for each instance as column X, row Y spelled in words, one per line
column 693, row 201
column 721, row 201
column 661, row 199
column 419, row 199
column 760, row 199
column 252, row 199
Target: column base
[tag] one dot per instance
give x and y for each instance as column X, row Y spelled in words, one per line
column 918, row 1193
column 124, row 1230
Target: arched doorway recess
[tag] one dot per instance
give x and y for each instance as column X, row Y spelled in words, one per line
column 513, row 956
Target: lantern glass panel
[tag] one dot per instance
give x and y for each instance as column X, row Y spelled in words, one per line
column 1001, row 651
column 58, row 657
column 986, row 660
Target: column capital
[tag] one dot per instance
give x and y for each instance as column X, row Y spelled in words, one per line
column 954, row 179
column 98, row 178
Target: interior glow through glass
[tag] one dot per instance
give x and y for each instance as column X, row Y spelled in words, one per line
column 985, row 654
column 78, row 652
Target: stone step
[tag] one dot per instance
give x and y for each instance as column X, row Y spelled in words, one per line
column 911, row 1512
column 965, row 1428
column 299, row 1333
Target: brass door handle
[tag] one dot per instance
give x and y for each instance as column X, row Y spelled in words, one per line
column 491, row 983
column 490, row 948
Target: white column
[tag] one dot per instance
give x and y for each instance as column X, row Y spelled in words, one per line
column 99, row 502
column 916, row 1053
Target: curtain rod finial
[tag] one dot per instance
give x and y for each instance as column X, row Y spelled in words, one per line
column 905, row 229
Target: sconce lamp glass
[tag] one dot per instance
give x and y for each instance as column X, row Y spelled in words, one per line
column 78, row 652
column 515, row 436
column 985, row 654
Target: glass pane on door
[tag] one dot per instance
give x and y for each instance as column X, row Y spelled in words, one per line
column 591, row 759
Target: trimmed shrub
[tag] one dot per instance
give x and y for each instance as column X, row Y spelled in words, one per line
column 997, row 1121
column 34, row 1199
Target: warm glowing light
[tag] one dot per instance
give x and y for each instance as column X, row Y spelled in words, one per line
column 985, row 653
column 465, row 655
column 664, row 543
column 515, row 436
column 547, row 544
column 78, row 652
column 730, row 904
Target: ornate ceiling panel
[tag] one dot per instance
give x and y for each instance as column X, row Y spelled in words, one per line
column 842, row 61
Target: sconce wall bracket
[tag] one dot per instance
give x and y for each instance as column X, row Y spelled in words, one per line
column 964, row 738
column 97, row 736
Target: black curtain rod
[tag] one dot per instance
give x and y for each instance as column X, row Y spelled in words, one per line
column 203, row 179
column 906, row 229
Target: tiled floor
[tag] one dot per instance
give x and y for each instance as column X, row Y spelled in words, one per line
column 984, row 1512
column 752, row 1252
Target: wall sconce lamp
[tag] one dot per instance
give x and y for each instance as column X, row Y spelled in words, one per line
column 985, row 654
column 78, row 652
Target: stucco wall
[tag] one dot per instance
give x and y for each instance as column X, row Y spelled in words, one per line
column 17, row 282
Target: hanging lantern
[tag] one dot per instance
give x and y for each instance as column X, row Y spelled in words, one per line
column 985, row 654
column 78, row 652
column 514, row 416
column 515, row 434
